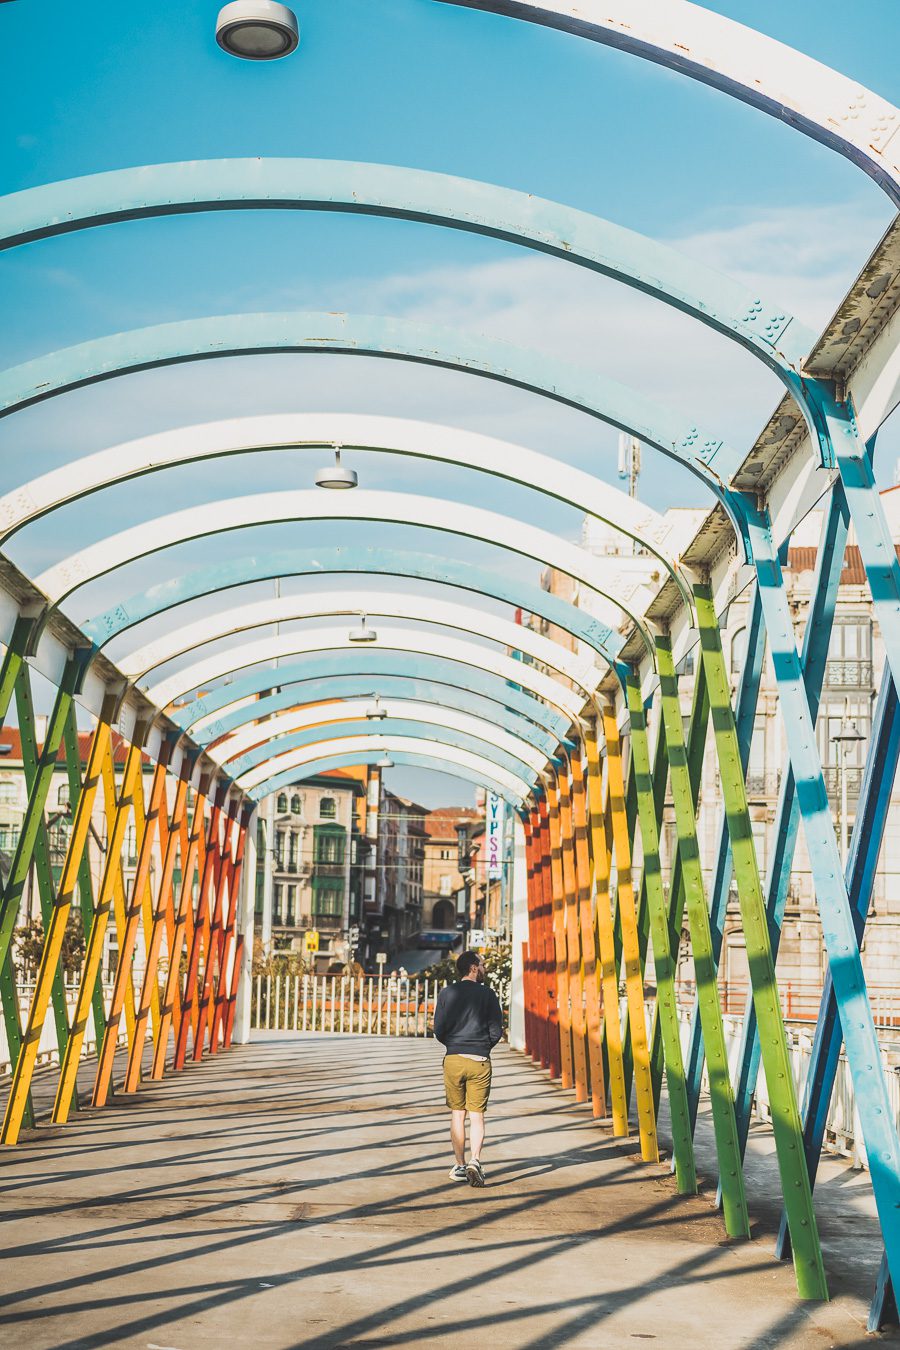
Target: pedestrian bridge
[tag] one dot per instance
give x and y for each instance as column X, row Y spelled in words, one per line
column 223, row 1176
column 294, row 1194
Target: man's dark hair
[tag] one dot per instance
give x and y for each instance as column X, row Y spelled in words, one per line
column 466, row 963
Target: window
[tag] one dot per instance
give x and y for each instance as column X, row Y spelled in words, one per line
column 276, row 904
column 296, row 805
column 9, row 794
column 851, row 639
column 9, row 838
column 130, row 844
column 62, row 796
column 281, row 804
column 280, row 837
column 738, row 651
column 760, row 840
column 329, row 848
column 290, row 917
column 328, row 808
column 446, row 884
column 685, row 665
column 328, row 901
column 292, row 851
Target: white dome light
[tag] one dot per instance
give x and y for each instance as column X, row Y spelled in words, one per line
column 257, row 30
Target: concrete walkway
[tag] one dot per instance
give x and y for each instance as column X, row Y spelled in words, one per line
column 293, row 1193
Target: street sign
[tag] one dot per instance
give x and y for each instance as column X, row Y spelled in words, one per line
column 477, row 938
column 353, row 936
column 380, row 958
column 312, row 940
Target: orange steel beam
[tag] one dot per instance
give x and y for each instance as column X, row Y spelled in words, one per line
column 191, row 1010
column 588, row 936
column 228, row 1005
column 158, row 928
column 567, row 1076
column 139, row 889
column 182, row 930
column 573, row 944
column 111, row 876
column 221, row 883
column 601, row 858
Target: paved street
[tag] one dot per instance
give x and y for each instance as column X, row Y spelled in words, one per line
column 293, row 1193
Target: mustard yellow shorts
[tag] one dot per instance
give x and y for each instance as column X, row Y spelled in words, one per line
column 467, row 1082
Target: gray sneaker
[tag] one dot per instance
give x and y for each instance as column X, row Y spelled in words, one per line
column 458, row 1173
column 474, row 1172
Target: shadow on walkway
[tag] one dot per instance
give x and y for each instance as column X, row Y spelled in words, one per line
column 294, row 1193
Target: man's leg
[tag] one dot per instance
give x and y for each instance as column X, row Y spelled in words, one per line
column 476, row 1130
column 458, row 1135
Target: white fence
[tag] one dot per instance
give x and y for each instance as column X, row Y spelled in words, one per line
column 365, row 1005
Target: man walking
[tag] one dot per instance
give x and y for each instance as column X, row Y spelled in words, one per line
column 468, row 1021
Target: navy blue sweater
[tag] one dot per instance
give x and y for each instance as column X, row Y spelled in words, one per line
column 468, row 1019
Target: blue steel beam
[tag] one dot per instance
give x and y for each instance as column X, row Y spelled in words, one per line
column 704, row 452
column 267, row 566
column 813, row 659
column 838, row 929
column 765, row 327
column 862, row 861
column 371, row 665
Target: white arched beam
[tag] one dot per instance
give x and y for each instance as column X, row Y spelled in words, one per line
column 610, row 580
column 482, row 776
column 353, row 745
column 137, row 664
column 203, row 673
column 255, row 734
column 660, row 537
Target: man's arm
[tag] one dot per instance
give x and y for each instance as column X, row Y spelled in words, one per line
column 495, row 1018
column 440, row 1016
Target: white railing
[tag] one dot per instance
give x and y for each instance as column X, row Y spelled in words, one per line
column 363, row 1005
column 48, row 1050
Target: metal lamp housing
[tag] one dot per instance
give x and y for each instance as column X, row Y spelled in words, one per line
column 363, row 633
column 257, row 30
column 337, row 476
column 385, row 762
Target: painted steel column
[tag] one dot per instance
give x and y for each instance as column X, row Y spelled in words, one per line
column 601, row 857
column 860, row 1037
column 16, row 1108
column 191, row 1011
column 169, row 833
column 139, row 887
column 550, row 995
column 567, row 1077
column 41, row 861
column 666, row 1006
column 745, row 719
column 189, row 858
column 588, row 935
column 529, row 962
column 229, row 990
column 813, row 661
column 737, row 1221
column 696, row 750
column 634, row 984
column 573, row 945
column 243, row 960
column 808, row 1266
column 94, row 952
column 85, row 878
column 226, row 878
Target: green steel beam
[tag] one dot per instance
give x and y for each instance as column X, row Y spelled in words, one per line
column 648, row 806
column 696, row 749
column 85, row 880
column 808, row 1265
column 734, row 1200
column 13, row 659
column 42, row 865
column 37, row 800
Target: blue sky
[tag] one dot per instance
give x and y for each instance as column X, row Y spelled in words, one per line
column 415, row 83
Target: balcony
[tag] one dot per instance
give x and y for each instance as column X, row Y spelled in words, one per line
column 851, row 674
column 763, row 784
column 833, row 782
column 329, row 869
